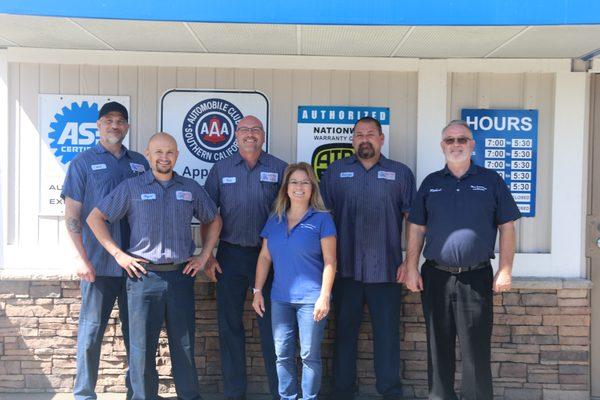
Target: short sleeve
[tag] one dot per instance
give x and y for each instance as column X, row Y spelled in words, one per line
column 325, row 190
column 506, row 207
column 116, row 204
column 267, row 229
column 409, row 190
column 75, row 180
column 327, row 226
column 418, row 211
column 204, row 208
column 211, row 185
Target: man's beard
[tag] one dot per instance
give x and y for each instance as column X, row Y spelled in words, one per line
column 366, row 151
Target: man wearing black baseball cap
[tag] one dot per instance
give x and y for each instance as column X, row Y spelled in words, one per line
column 91, row 176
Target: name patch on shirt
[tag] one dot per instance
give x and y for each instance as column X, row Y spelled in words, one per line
column 229, row 179
column 148, row 196
column 269, row 176
column 435, row 190
column 137, row 167
column 346, row 174
column 96, row 167
column 388, row 175
column 183, row 195
column 478, row 188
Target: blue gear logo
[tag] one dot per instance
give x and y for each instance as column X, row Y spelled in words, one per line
column 74, row 131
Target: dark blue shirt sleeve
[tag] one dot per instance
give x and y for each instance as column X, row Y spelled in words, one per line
column 116, row 204
column 325, row 190
column 418, row 211
column 74, row 184
column 506, row 208
column 211, row 185
column 204, row 208
column 327, row 226
column 409, row 190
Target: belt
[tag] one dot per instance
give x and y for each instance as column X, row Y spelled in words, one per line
column 162, row 267
column 458, row 270
column 239, row 246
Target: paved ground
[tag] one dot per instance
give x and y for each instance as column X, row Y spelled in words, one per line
column 119, row 396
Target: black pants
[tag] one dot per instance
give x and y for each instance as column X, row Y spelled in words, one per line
column 458, row 304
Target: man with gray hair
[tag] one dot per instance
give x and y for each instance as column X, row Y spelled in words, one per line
column 457, row 214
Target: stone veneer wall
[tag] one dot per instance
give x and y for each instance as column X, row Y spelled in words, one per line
column 541, row 341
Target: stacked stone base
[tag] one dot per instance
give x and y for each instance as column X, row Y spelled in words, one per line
column 541, row 342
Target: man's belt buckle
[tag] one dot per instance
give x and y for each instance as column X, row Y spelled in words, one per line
column 459, row 270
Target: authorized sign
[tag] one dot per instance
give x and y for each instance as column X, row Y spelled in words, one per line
column 506, row 141
column 67, row 125
column 203, row 123
column 325, row 132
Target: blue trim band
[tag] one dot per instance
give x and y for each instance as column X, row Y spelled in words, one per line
column 324, row 12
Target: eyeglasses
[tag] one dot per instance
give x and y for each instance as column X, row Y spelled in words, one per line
column 254, row 129
column 459, row 140
column 301, row 183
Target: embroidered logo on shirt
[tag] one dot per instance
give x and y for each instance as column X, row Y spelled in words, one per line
column 148, row 196
column 346, row 174
column 435, row 190
column 308, row 226
column 137, row 167
column 229, row 179
column 478, row 188
column 389, row 175
column 183, row 195
column 269, row 176
column 96, row 167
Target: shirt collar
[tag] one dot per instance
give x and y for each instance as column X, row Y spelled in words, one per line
column 99, row 149
column 262, row 158
column 354, row 159
column 149, row 178
column 471, row 171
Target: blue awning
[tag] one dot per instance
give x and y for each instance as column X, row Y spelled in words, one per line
column 329, row 12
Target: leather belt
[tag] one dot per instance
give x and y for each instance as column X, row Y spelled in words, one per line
column 162, row 267
column 458, row 270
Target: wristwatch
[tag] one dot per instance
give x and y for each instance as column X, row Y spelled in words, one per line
column 255, row 290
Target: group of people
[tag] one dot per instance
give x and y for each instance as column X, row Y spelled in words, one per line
column 301, row 246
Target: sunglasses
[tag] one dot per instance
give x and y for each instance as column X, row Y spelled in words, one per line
column 459, row 140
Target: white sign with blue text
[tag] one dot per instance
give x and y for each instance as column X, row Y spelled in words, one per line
column 506, row 141
column 67, row 126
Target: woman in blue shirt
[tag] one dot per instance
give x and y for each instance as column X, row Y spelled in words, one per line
column 299, row 239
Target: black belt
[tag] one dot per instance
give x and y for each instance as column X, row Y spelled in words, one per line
column 162, row 267
column 239, row 246
column 458, row 270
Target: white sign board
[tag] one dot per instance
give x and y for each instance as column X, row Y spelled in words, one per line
column 325, row 132
column 204, row 121
column 67, row 126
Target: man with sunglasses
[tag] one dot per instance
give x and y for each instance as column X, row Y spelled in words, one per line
column 369, row 196
column 457, row 214
column 244, row 187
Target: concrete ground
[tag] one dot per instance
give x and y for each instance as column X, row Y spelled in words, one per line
column 121, row 396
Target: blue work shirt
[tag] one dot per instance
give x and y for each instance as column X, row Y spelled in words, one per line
column 297, row 255
column 159, row 216
column 244, row 196
column 368, row 207
column 91, row 176
column 462, row 215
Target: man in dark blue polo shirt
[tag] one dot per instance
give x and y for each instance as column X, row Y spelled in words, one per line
column 159, row 206
column 91, row 176
column 457, row 213
column 369, row 196
column 244, row 187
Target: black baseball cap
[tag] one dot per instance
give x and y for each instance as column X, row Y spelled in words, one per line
column 113, row 106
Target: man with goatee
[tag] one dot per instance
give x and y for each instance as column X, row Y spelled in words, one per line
column 369, row 196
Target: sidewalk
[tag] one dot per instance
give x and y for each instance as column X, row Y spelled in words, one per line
column 121, row 396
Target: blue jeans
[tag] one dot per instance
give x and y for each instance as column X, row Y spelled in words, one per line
column 383, row 300
column 97, row 301
column 285, row 317
column 154, row 298
column 239, row 269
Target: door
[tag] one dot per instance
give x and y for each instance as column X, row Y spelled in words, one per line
column 593, row 231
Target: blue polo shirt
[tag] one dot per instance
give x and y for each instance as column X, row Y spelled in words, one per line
column 92, row 174
column 297, row 255
column 159, row 216
column 368, row 207
column 244, row 196
column 462, row 215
